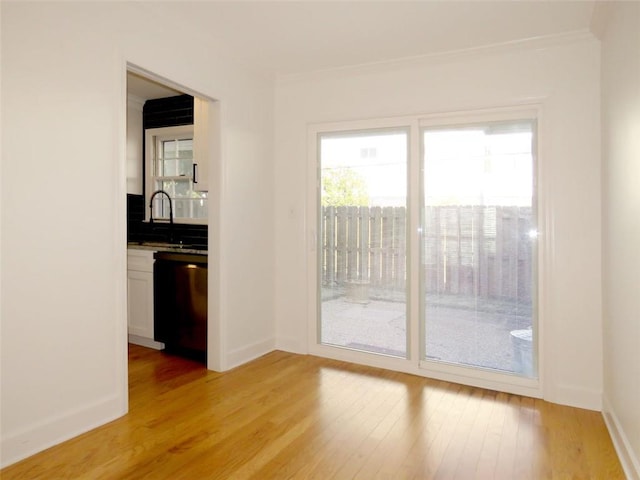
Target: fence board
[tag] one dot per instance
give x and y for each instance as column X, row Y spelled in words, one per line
column 352, row 243
column 363, row 244
column 386, row 247
column 376, row 246
column 329, row 245
column 481, row 251
column 341, row 245
column 399, row 242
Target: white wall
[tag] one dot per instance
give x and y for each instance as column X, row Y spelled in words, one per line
column 621, row 230
column 565, row 79
column 63, row 332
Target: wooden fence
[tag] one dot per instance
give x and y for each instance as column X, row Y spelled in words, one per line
column 483, row 251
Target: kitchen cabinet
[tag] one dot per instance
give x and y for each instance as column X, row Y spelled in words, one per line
column 140, row 298
column 135, row 154
column 206, row 141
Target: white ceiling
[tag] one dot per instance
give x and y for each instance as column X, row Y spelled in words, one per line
column 145, row 89
column 290, row 37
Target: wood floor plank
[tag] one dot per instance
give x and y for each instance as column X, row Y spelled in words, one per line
column 430, row 449
column 493, row 436
column 425, row 425
column 339, row 403
column 464, row 420
column 394, row 452
column 287, row 416
column 382, row 449
column 368, row 425
column 598, row 446
column 483, row 402
column 525, row 451
column 505, row 462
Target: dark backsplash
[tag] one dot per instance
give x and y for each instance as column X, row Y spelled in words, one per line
column 140, row 231
column 168, row 112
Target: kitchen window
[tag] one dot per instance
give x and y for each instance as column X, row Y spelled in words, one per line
column 169, row 163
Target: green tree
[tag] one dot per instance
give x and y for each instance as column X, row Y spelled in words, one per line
column 344, row 187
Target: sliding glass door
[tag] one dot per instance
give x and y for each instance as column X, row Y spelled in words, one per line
column 426, row 252
column 362, row 254
column 478, row 226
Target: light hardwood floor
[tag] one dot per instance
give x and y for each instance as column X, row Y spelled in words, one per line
column 301, row 417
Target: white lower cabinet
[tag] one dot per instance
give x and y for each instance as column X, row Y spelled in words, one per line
column 140, row 298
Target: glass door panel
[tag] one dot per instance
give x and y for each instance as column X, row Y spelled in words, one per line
column 362, row 254
column 478, row 231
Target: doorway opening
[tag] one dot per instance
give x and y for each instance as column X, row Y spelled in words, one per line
column 180, row 218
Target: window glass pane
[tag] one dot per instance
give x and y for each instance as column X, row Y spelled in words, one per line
column 167, row 159
column 182, row 188
column 477, row 249
column 362, row 262
column 169, row 187
column 199, row 205
column 176, row 158
column 181, row 208
column 191, row 207
column 169, row 149
column 185, row 167
column 185, row 148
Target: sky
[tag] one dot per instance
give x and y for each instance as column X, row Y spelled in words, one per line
column 462, row 166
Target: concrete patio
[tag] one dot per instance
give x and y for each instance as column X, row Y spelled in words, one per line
column 457, row 332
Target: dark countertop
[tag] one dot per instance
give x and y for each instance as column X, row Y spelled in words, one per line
column 166, row 247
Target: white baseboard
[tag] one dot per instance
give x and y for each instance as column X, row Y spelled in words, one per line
column 250, row 352
column 145, row 342
column 629, row 460
column 40, row 436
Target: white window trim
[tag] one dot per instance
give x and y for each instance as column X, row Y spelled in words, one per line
column 505, row 382
column 151, row 138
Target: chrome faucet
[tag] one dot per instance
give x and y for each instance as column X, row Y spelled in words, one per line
column 170, row 211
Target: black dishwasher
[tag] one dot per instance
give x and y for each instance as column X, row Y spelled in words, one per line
column 180, row 303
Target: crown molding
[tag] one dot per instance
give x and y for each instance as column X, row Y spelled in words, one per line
column 534, row 43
